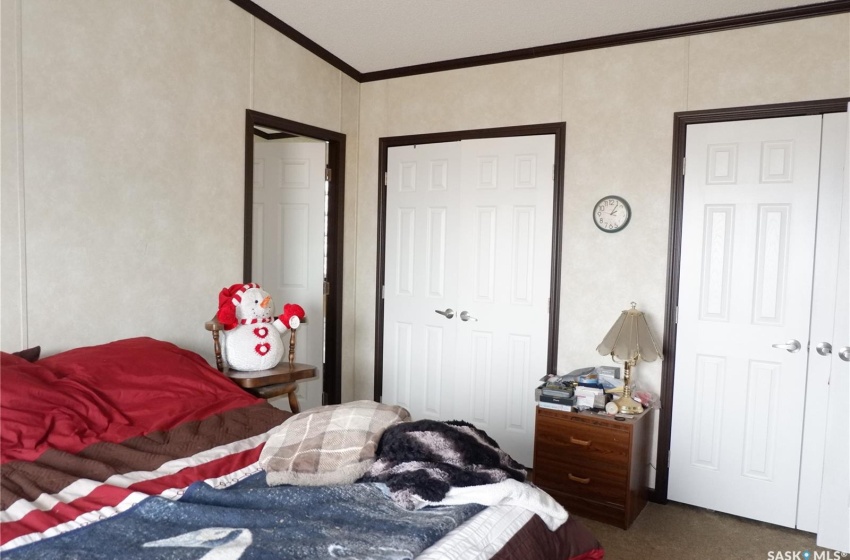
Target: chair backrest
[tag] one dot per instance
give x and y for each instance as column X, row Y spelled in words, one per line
column 214, row 326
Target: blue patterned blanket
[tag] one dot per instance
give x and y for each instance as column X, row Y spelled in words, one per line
column 250, row 520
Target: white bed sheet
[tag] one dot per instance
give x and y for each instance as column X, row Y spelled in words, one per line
column 481, row 537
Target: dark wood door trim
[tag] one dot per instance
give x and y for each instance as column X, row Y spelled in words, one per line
column 332, row 380
column 681, row 121
column 559, row 130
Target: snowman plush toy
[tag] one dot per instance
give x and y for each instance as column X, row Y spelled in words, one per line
column 251, row 333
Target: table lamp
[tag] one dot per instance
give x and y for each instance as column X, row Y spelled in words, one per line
column 628, row 341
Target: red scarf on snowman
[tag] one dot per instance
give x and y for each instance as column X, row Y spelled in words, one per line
column 227, row 307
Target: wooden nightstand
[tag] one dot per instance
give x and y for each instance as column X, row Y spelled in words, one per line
column 267, row 383
column 593, row 465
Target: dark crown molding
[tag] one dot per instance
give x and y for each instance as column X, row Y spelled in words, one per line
column 709, row 26
column 290, row 32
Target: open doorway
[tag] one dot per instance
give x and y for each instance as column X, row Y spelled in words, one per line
column 294, row 196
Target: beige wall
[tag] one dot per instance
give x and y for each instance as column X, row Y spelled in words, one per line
column 618, row 104
column 123, row 158
column 125, row 198
column 13, row 279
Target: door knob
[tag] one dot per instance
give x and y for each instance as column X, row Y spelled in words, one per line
column 844, row 353
column 465, row 316
column 790, row 345
column 824, row 348
column 448, row 313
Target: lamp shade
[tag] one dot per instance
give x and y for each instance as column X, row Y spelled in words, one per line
column 629, row 339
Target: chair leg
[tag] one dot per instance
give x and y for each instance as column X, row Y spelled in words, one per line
column 293, row 403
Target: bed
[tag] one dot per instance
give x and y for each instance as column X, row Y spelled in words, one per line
column 139, row 449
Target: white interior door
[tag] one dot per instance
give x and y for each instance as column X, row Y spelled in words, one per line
column 749, row 217
column 288, row 244
column 834, row 521
column 469, row 228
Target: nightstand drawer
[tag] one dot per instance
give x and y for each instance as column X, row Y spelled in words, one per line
column 551, row 459
column 573, row 438
column 580, row 479
column 607, row 513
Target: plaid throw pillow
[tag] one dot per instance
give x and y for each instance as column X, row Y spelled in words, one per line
column 328, row 445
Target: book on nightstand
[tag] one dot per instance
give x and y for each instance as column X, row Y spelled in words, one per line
column 553, row 390
column 562, row 399
column 553, row 406
column 560, row 392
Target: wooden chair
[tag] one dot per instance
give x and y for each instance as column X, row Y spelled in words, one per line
column 268, row 383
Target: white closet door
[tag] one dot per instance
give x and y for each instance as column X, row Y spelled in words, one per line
column 421, row 279
column 834, row 522
column 469, row 228
column 506, row 255
column 749, row 217
column 826, row 276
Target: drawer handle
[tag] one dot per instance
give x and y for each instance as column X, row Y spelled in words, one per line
column 582, row 442
column 578, row 479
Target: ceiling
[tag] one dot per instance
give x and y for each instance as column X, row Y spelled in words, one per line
column 374, row 36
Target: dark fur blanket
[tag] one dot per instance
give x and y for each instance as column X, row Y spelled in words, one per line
column 422, row 460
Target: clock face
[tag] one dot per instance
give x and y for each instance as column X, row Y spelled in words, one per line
column 611, row 214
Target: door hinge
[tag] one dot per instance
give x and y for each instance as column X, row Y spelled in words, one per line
column 326, row 288
column 684, row 165
column 328, row 174
column 385, row 178
column 668, row 458
column 553, row 171
column 676, row 320
column 384, row 287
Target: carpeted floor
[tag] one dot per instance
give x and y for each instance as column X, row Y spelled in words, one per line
column 680, row 532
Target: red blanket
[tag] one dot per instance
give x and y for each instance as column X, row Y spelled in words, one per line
column 90, row 432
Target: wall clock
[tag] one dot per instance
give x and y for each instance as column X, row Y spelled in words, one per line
column 611, row 213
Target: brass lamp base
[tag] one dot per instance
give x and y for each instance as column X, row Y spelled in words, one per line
column 628, row 405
